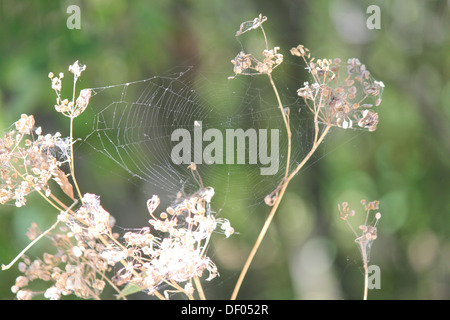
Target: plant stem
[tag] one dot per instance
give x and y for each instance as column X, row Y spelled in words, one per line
column 366, row 281
column 286, row 124
column 29, row 246
column 273, row 211
column 366, row 271
column 180, row 289
column 72, row 164
column 33, row 242
column 258, row 242
column 198, row 284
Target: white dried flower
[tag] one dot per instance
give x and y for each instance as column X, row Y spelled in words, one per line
column 76, row 68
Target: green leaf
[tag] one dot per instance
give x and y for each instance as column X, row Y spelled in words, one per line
column 130, row 288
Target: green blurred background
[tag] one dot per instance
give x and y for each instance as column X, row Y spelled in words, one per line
column 308, row 253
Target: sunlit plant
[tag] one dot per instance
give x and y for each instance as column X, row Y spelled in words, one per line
column 170, row 254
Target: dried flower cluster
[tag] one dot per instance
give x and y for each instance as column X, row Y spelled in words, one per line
column 368, row 235
column 29, row 159
column 340, row 99
column 369, row 232
column 87, row 249
column 78, row 267
column 335, row 99
column 71, row 109
column 178, row 255
column 250, row 25
column 248, row 64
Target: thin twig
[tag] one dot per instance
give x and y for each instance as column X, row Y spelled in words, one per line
column 32, row 243
column 198, row 284
column 72, row 164
column 286, row 124
column 272, row 214
column 288, row 178
column 366, row 271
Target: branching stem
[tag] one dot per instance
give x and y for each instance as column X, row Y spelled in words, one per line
column 33, row 242
column 288, row 177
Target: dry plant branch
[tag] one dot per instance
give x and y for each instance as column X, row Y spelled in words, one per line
column 32, row 243
column 332, row 105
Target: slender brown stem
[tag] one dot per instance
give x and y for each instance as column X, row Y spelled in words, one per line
column 366, row 281
column 180, row 289
column 287, row 177
column 72, row 164
column 198, row 284
column 311, row 152
column 286, row 124
column 258, row 242
column 159, row 295
column 29, row 246
column 366, row 271
column 32, row 243
column 272, row 214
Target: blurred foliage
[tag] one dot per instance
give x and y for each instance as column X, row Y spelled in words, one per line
column 309, row 253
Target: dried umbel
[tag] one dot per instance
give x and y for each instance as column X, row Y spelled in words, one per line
column 342, row 94
column 77, row 267
column 177, row 256
column 90, row 219
column 364, row 240
column 73, row 108
column 369, row 232
column 248, row 64
column 250, row 25
column 81, row 259
column 29, row 160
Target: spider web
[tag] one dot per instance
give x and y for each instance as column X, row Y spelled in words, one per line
column 132, row 125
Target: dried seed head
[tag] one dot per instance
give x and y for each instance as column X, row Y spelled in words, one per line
column 76, row 68
column 336, row 101
column 25, row 124
column 250, row 25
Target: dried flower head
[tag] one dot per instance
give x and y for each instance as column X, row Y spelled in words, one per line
column 367, row 236
column 178, row 254
column 90, row 219
column 25, row 124
column 29, row 160
column 73, row 108
column 250, row 25
column 76, row 268
column 248, row 64
column 369, row 232
column 301, row 51
column 82, row 102
column 76, row 68
column 85, row 250
column 337, row 99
